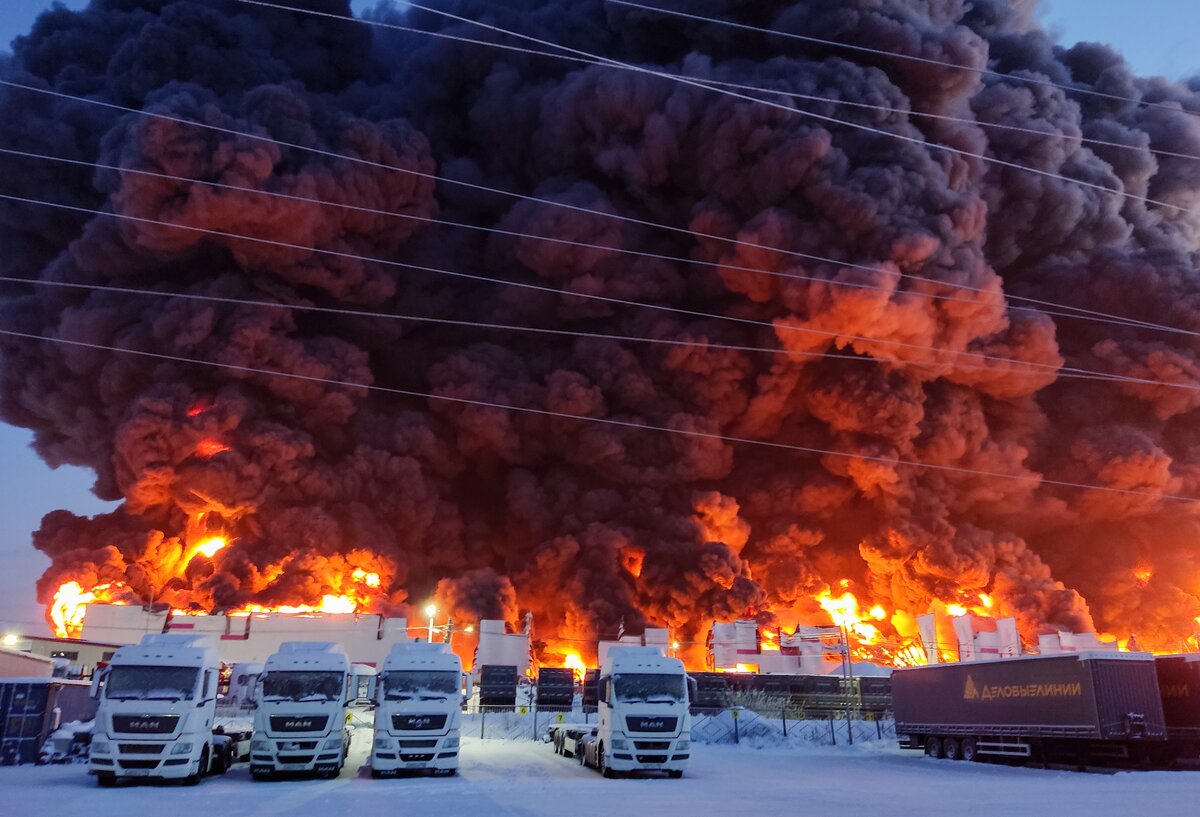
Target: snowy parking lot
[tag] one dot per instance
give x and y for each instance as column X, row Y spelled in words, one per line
column 518, row 778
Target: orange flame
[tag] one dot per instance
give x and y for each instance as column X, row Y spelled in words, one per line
column 210, row 448
column 574, row 662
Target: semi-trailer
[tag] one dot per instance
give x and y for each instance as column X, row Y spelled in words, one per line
column 418, row 713
column 643, row 717
column 1078, row 708
column 1179, row 688
column 301, row 723
column 157, row 705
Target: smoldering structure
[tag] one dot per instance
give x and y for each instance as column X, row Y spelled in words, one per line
column 310, row 486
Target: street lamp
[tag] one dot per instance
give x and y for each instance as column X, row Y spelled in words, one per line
column 430, row 609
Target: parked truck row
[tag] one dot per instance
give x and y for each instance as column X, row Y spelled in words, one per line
column 1083, row 709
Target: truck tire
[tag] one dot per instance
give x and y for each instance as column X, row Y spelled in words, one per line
column 970, row 751
column 933, row 746
column 602, row 764
column 201, row 769
column 106, row 780
column 951, row 750
column 579, row 753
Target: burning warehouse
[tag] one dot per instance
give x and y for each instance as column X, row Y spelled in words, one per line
column 348, row 317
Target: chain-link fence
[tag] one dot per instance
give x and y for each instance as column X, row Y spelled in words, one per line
column 779, row 725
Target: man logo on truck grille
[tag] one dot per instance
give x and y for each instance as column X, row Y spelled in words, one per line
column 970, row 691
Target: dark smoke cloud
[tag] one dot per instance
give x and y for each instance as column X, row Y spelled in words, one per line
column 591, row 526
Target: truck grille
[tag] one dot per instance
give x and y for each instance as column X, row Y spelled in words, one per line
column 421, row 758
column 295, row 758
column 299, row 723
column 145, row 724
column 139, row 764
column 418, row 744
column 652, row 758
column 652, row 744
column 141, row 748
column 418, row 723
column 650, row 723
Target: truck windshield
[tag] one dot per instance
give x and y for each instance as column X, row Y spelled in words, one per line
column 303, row 686
column 127, row 683
column 647, row 688
column 419, row 685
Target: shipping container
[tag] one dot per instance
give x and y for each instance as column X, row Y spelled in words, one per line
column 555, row 688
column 1084, row 706
column 498, row 685
column 32, row 708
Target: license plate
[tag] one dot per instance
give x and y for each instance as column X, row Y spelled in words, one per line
column 137, row 772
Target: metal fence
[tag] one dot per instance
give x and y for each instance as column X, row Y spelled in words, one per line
column 734, row 725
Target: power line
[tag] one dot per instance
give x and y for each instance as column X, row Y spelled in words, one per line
column 1050, row 305
column 911, row 57
column 791, row 109
column 1113, row 320
column 1057, row 370
column 607, row 421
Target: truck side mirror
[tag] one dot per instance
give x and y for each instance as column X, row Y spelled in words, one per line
column 99, row 676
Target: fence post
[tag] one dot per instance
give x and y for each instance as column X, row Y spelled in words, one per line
column 533, row 709
column 832, row 734
column 849, row 729
column 482, row 718
column 736, row 736
column 878, row 729
column 785, row 720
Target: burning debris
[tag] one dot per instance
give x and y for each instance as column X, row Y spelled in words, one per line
column 245, row 491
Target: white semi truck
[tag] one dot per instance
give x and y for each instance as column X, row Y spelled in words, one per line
column 156, row 711
column 301, row 723
column 643, row 720
column 419, row 711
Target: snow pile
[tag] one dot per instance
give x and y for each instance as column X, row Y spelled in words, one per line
column 68, row 744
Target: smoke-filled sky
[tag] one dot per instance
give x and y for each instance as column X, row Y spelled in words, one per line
column 516, row 503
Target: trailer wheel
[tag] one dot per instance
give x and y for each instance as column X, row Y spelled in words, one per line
column 970, row 752
column 106, row 780
column 579, row 753
column 933, row 746
column 950, row 749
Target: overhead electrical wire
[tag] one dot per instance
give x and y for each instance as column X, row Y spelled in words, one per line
column 694, row 234
column 1049, row 368
column 1074, row 89
column 1002, row 306
column 607, row 421
column 790, row 109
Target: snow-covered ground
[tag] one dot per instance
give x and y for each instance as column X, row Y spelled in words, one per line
column 517, row 778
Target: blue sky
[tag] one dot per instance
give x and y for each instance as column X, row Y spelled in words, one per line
column 1157, row 37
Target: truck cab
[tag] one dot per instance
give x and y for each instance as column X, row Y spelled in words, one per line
column 644, row 723
column 419, row 711
column 301, row 723
column 157, row 704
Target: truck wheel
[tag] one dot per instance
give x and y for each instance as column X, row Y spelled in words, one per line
column 106, row 781
column 970, row 752
column 201, row 769
column 602, row 763
column 579, row 753
column 950, row 749
column 933, row 746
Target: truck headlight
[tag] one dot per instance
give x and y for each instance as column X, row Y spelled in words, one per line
column 333, row 743
column 450, row 743
column 620, row 743
column 260, row 745
column 384, row 743
column 683, row 745
column 100, row 747
column 181, row 748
